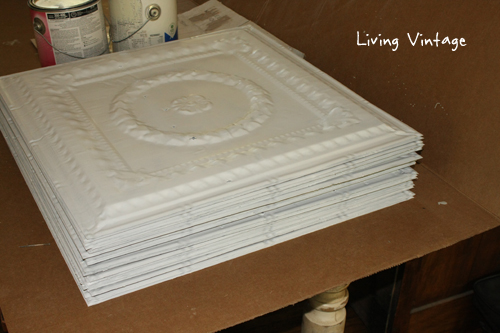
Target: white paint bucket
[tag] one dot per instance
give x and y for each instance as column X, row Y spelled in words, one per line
column 68, row 30
column 139, row 23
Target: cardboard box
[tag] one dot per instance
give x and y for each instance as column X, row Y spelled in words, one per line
column 449, row 96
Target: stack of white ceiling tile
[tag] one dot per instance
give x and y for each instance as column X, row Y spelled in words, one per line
column 154, row 163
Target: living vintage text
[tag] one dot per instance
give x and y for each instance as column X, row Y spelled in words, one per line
column 416, row 39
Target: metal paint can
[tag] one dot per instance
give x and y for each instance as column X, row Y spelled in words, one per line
column 140, row 23
column 68, row 30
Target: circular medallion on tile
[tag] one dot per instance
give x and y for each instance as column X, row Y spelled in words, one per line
column 191, row 108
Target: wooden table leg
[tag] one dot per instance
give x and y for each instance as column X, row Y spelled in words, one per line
column 327, row 312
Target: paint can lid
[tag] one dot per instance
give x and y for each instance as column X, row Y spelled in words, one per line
column 57, row 4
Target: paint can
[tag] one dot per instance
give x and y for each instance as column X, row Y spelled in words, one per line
column 139, row 23
column 68, row 30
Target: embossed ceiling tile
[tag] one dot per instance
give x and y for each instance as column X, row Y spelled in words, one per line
column 138, row 115
column 157, row 162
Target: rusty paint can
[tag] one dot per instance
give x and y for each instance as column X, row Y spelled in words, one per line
column 68, row 30
column 139, row 23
